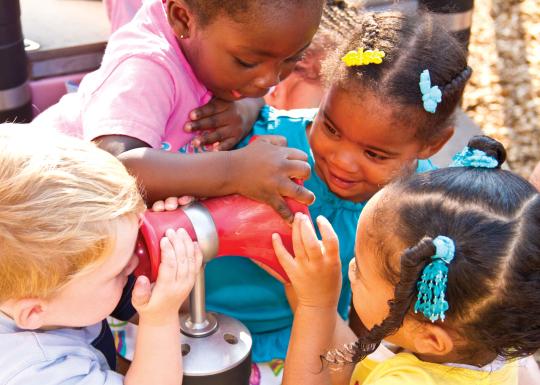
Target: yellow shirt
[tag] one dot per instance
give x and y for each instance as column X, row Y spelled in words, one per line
column 406, row 369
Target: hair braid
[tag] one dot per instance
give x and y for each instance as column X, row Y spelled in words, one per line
column 456, row 85
column 370, row 30
column 413, row 261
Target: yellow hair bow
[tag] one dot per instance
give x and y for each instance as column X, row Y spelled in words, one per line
column 361, row 57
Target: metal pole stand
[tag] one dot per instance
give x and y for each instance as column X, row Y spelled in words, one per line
column 216, row 349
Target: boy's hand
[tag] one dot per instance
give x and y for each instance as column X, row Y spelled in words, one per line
column 264, row 170
column 315, row 271
column 223, row 122
column 181, row 261
column 172, row 203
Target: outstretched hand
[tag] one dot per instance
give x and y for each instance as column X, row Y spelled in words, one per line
column 315, row 269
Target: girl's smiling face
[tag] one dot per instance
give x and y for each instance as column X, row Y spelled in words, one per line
column 246, row 55
column 358, row 145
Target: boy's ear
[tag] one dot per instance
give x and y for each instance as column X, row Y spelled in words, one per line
column 29, row 313
column 433, row 147
column 433, row 340
column 180, row 18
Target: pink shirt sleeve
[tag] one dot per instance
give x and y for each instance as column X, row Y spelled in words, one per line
column 135, row 99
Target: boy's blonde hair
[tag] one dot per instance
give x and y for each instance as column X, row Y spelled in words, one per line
column 58, row 198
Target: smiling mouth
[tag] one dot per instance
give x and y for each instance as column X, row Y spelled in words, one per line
column 341, row 182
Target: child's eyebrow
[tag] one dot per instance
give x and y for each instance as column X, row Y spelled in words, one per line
column 390, row 153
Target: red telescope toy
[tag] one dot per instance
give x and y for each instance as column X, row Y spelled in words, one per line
column 226, row 226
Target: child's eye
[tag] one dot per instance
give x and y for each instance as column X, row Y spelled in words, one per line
column 244, row 64
column 331, row 130
column 374, row 155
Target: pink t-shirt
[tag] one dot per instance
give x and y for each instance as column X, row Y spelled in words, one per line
column 145, row 88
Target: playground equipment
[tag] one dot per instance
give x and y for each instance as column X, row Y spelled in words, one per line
column 216, row 348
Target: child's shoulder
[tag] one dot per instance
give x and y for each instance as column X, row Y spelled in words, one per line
column 30, row 357
column 407, row 369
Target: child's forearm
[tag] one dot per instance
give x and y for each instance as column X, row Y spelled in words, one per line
column 164, row 174
column 311, row 336
column 157, row 358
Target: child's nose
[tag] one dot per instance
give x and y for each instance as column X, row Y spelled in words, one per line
column 269, row 78
column 346, row 161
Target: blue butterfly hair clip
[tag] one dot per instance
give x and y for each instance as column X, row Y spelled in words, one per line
column 431, row 96
column 431, row 301
column 471, row 157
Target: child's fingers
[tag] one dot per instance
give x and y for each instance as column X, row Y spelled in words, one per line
column 186, row 256
column 278, row 203
column 171, row 203
column 330, row 239
column 284, row 257
column 310, row 241
column 276, row 140
column 227, row 144
column 141, row 291
column 296, row 191
column 185, row 200
column 216, row 135
column 158, row 206
column 214, row 106
column 298, row 245
column 168, row 267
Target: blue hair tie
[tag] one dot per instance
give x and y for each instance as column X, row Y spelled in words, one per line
column 471, row 157
column 431, row 300
column 431, row 96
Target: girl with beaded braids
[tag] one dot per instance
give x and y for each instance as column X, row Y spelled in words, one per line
column 446, row 267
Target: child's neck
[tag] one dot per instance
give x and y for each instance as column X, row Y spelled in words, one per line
column 478, row 359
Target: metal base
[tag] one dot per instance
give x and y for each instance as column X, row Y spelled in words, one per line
column 238, row 375
column 221, row 358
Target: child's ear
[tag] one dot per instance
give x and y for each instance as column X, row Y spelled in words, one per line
column 29, row 313
column 433, row 147
column 180, row 18
column 433, row 340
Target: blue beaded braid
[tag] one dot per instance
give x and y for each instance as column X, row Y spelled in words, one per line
column 431, row 300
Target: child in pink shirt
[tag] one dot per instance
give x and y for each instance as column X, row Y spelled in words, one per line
column 172, row 58
column 121, row 12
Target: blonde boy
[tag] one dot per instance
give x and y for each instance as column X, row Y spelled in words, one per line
column 68, row 226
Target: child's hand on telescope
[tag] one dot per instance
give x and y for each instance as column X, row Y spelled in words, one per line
column 172, row 203
column 180, row 264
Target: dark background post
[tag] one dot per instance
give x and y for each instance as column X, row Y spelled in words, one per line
column 15, row 96
column 456, row 15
